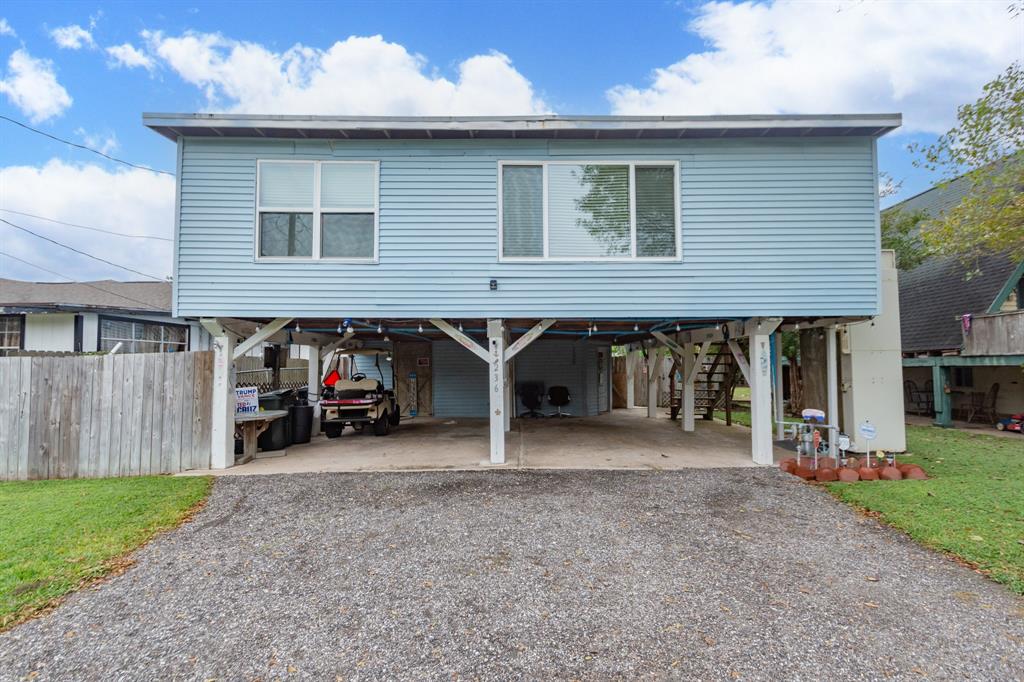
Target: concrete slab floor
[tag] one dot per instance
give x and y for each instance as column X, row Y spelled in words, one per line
column 623, row 439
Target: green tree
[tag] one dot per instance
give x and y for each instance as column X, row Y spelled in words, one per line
column 987, row 147
column 901, row 232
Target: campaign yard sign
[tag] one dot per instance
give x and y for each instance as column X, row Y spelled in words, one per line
column 247, row 400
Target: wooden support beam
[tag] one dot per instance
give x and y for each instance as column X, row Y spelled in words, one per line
column 527, row 338
column 462, row 339
column 260, row 336
column 741, row 359
column 669, row 343
column 691, row 376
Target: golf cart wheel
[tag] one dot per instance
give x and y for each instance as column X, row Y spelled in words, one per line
column 1000, row 426
column 333, row 430
column 382, row 426
column 394, row 417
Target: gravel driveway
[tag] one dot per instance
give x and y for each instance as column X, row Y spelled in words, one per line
column 712, row 574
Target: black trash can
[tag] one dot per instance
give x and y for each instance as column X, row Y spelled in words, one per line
column 301, row 417
column 279, row 434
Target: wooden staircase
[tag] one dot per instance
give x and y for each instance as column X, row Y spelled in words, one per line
column 713, row 385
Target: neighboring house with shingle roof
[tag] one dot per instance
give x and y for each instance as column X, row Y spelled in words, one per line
column 940, row 348
column 93, row 316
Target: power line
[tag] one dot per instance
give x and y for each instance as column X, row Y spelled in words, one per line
column 89, row 255
column 82, row 146
column 86, row 227
column 149, row 306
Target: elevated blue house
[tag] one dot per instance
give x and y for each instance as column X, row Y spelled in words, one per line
column 477, row 236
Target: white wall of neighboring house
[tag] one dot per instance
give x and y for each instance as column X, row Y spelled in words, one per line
column 50, row 332
column 55, row 332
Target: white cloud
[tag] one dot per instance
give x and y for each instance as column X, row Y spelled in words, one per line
column 130, row 201
column 128, row 56
column 918, row 58
column 104, row 142
column 355, row 76
column 6, row 29
column 73, row 37
column 31, row 85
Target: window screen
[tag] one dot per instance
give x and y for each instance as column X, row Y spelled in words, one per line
column 347, row 235
column 286, row 234
column 522, row 200
column 655, row 211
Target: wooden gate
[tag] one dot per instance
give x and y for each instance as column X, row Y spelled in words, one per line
column 104, row 415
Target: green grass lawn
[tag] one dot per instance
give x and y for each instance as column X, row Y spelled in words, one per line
column 57, row 535
column 972, row 507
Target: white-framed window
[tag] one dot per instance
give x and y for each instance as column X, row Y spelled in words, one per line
column 12, row 332
column 317, row 210
column 588, row 210
column 141, row 336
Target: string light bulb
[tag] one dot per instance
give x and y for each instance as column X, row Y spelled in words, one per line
column 298, row 328
column 677, row 326
column 380, row 329
column 460, row 326
column 636, row 327
column 420, row 328
column 339, row 327
column 350, row 330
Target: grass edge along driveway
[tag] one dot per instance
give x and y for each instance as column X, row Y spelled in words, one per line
column 59, row 535
column 972, row 508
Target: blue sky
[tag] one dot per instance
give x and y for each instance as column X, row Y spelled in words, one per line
column 86, row 71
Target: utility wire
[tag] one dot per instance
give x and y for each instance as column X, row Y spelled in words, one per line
column 86, row 227
column 89, row 255
column 148, row 306
column 82, row 146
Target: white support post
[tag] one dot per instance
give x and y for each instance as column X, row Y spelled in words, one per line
column 832, row 381
column 509, row 394
column 777, row 393
column 653, row 372
column 313, row 386
column 688, row 386
column 631, row 357
column 496, row 390
column 759, row 376
column 222, row 425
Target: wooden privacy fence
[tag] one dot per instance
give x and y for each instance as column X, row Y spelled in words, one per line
column 104, row 415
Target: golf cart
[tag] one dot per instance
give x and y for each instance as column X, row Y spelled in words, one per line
column 358, row 400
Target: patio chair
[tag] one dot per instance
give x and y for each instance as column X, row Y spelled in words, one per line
column 531, row 394
column 984, row 405
column 559, row 397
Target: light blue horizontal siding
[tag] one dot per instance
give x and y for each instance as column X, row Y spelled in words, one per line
column 459, row 382
column 769, row 227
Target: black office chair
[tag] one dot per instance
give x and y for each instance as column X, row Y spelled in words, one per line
column 559, row 397
column 531, row 393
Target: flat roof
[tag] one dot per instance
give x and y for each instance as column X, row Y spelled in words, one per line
column 173, row 126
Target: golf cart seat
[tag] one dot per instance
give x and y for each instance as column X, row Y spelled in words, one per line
column 361, row 385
